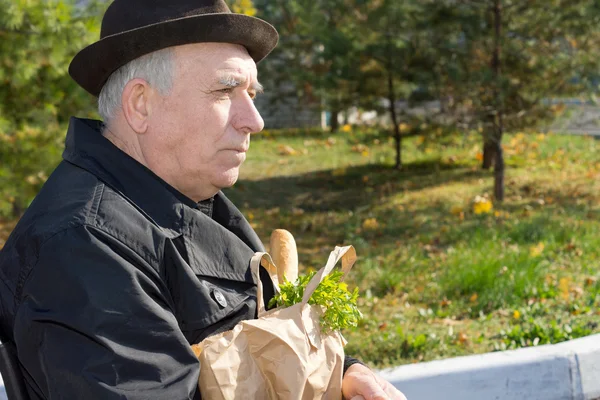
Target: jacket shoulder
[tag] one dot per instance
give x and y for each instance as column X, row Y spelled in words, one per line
column 73, row 197
column 68, row 199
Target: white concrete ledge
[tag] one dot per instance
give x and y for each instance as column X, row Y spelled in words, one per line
column 564, row 371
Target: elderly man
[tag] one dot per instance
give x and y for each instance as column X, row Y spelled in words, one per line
column 130, row 252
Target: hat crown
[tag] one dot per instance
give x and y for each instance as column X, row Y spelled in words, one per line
column 125, row 15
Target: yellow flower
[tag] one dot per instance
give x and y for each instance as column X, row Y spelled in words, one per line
column 482, row 205
column 347, row 128
column 536, row 250
column 516, row 314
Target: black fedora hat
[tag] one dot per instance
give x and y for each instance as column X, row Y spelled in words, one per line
column 133, row 28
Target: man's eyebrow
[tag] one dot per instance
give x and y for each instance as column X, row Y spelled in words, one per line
column 257, row 87
column 235, row 80
column 232, row 80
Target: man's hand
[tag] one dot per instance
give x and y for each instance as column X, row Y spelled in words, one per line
column 360, row 383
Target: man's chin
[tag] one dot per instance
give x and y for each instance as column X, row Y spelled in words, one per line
column 228, row 179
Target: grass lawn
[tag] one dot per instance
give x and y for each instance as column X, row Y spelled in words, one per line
column 436, row 278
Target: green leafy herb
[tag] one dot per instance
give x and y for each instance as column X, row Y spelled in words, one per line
column 338, row 303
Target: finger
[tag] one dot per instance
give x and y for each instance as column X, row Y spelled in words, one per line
column 359, row 397
column 374, row 393
column 393, row 393
column 390, row 390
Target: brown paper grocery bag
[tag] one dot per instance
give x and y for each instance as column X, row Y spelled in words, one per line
column 281, row 355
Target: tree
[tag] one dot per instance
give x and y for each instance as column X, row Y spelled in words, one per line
column 394, row 53
column 511, row 57
column 317, row 52
column 344, row 53
column 37, row 96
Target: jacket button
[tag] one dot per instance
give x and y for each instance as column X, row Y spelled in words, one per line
column 219, row 298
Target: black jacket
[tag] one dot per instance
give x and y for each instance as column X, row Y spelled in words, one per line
column 112, row 273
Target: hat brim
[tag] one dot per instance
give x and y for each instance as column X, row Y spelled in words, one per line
column 93, row 65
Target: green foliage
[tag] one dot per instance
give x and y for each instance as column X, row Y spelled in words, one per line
column 29, row 155
column 390, row 346
column 37, row 42
column 338, row 303
column 546, row 51
column 535, row 332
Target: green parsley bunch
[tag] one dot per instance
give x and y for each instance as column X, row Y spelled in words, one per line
column 337, row 302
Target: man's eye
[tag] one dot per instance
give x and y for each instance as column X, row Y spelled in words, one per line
column 226, row 90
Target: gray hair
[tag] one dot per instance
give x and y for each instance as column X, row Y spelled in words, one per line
column 156, row 68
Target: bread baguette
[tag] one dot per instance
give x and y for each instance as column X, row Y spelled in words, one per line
column 284, row 254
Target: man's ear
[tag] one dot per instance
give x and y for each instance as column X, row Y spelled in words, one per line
column 135, row 102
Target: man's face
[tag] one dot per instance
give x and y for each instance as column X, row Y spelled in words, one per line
column 199, row 133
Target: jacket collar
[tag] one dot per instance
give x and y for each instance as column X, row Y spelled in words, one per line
column 168, row 208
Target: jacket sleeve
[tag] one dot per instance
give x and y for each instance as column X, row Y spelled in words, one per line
column 96, row 322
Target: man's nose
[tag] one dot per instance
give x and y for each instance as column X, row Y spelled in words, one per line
column 249, row 119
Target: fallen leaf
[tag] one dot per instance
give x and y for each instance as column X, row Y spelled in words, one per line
column 450, row 322
column 456, row 210
column 590, row 280
column 339, row 172
column 370, row 224
column 286, row 150
column 564, row 284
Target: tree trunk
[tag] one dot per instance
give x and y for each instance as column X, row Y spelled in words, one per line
column 397, row 135
column 392, row 100
column 489, row 152
column 334, row 123
column 499, row 168
column 499, row 165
